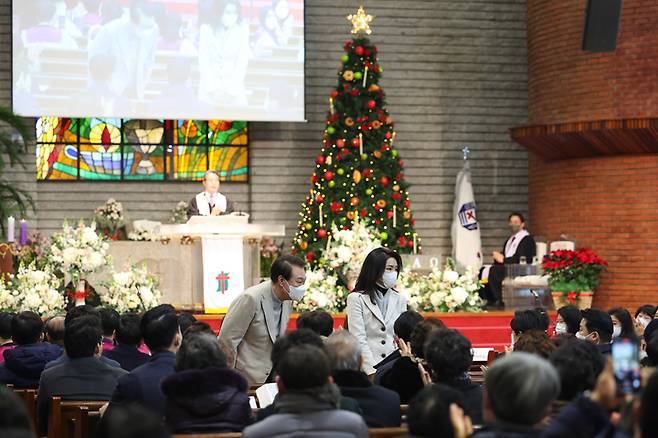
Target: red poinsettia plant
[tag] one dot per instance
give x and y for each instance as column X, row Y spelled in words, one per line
column 572, row 272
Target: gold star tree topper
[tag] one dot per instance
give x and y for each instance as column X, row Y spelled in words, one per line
column 360, row 21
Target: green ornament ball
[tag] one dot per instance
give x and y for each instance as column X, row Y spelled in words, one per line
column 345, row 58
column 364, row 156
column 331, row 129
column 394, row 153
column 331, row 184
column 358, row 75
column 343, row 219
column 340, row 171
column 369, row 192
column 308, row 226
column 383, row 235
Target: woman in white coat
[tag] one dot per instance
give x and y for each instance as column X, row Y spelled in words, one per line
column 374, row 305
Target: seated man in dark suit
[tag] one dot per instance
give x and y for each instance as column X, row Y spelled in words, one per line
column 83, row 376
column 128, row 337
column 380, row 406
column 210, row 202
column 520, row 244
column 596, row 327
column 162, row 336
column 24, row 363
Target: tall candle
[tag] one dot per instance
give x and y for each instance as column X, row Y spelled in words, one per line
column 328, row 243
column 11, row 225
column 361, row 143
column 331, row 105
column 393, row 138
column 415, row 244
column 365, row 76
column 23, row 233
column 395, row 215
column 320, row 214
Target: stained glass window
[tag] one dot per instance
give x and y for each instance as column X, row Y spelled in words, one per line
column 70, row 149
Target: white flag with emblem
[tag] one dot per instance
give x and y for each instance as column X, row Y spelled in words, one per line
column 466, row 244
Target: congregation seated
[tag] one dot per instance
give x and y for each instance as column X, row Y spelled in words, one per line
column 403, row 376
column 526, row 320
column 596, row 327
column 622, row 324
column 578, row 364
column 319, row 321
column 430, row 412
column 307, row 403
column 6, row 343
column 128, row 337
column 24, row 364
column 403, row 327
column 380, row 406
column 55, row 330
column 161, row 332
column 535, row 342
column 83, row 376
column 449, row 356
column 568, row 320
column 110, row 323
column 204, row 395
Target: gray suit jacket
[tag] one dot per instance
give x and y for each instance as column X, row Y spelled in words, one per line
column 249, row 329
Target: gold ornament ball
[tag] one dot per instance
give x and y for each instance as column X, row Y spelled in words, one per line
column 407, row 215
column 377, row 154
column 396, row 188
column 348, row 75
column 303, row 246
column 354, row 201
column 356, row 176
column 381, row 203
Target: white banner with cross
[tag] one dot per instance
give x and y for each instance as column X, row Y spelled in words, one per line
column 223, row 271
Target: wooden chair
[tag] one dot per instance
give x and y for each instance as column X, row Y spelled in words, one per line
column 65, row 419
column 29, row 397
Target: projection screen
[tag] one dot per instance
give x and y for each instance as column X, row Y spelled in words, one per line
column 159, row 59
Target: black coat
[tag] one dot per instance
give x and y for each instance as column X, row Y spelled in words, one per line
column 380, row 406
column 208, row 400
column 472, row 393
column 404, row 378
column 344, row 404
column 128, row 357
column 24, row 364
column 526, row 248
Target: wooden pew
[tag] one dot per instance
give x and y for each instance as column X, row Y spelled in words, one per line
column 380, row 432
column 29, row 397
column 67, row 420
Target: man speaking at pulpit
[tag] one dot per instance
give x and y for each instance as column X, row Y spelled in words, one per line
column 209, row 202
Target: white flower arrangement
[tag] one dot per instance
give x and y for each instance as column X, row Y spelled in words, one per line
column 323, row 292
column 32, row 289
column 442, row 290
column 144, row 230
column 134, row 290
column 110, row 215
column 349, row 248
column 79, row 251
column 179, row 213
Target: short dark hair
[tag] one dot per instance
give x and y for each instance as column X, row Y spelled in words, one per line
column 282, row 266
column 578, row 363
column 297, row 337
column 159, row 327
column 647, row 309
column 5, row 324
column 530, row 319
column 185, row 319
column 406, row 323
column 26, row 328
column 626, row 320
column 78, row 311
column 373, row 268
column 109, row 320
column 198, row 327
column 571, row 316
column 128, row 332
column 199, row 351
column 535, row 342
column 319, row 321
column 13, row 414
column 82, row 336
column 55, row 329
column 598, row 321
column 304, row 367
column 429, row 411
column 420, row 335
column 449, row 355
column 517, row 214
column 131, row 421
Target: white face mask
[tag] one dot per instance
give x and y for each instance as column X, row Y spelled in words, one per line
column 296, row 293
column 580, row 336
column 389, row 279
column 560, row 328
column 643, row 321
column 616, row 332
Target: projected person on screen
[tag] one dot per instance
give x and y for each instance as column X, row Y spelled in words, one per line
column 131, row 40
column 223, row 52
column 209, row 202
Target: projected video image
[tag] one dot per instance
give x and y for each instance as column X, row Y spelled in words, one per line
column 159, row 59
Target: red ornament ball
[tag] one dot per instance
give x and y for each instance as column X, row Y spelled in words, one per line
column 319, row 199
column 355, row 142
column 334, row 94
column 389, row 214
column 314, row 179
column 372, row 104
column 383, row 181
column 359, row 50
column 340, row 143
column 388, row 135
column 407, row 203
column 397, row 196
column 410, row 244
column 354, row 201
column 403, row 241
column 310, row 256
column 320, row 159
column 328, row 175
column 321, row 233
column 364, row 213
column 354, row 92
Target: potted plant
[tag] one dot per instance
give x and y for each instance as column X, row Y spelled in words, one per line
column 573, row 276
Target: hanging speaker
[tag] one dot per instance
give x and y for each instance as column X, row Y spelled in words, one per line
column 601, row 25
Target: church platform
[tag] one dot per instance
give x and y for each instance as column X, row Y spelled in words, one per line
column 485, row 329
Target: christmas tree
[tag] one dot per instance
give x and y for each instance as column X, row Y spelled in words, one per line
column 359, row 174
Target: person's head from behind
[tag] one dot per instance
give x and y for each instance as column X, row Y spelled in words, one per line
column 421, row 334
column 288, row 277
column 535, row 342
column 568, row 320
column 595, row 327
column 519, row 389
column 185, row 319
column 319, row 321
column 645, row 314
column 78, row 311
column 55, row 330
column 578, row 364
column 83, row 338
column 622, row 323
column 109, row 321
column 5, row 326
column 525, row 320
column 406, row 323
column 344, row 351
column 160, row 329
column 303, row 367
column 200, row 351
column 449, row 355
column 26, row 328
column 13, row 414
column 380, row 269
column 516, row 222
column 198, row 327
column 297, row 337
column 128, row 333
column 429, row 411
column 131, row 421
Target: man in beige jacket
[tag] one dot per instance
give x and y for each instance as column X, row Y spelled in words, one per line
column 260, row 315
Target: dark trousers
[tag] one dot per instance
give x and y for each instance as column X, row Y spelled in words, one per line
column 496, row 276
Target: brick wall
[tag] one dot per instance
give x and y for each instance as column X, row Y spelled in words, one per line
column 566, row 84
column 610, row 205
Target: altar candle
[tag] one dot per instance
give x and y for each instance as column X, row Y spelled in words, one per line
column 393, row 138
column 23, row 233
column 331, row 105
column 365, row 76
column 328, row 243
column 11, row 224
column 415, row 244
column 320, row 214
column 360, row 143
column 395, row 215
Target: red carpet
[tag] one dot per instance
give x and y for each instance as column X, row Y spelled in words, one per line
column 486, row 329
